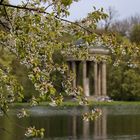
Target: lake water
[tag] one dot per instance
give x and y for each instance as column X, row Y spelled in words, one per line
column 66, row 123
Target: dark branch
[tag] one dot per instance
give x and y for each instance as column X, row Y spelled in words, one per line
column 44, row 12
column 6, row 27
column 1, row 1
column 74, row 24
column 49, row 6
column 24, row 8
column 8, row 17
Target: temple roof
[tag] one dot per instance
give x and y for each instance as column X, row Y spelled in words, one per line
column 99, row 50
column 92, row 48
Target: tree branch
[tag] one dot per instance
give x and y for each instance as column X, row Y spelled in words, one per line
column 49, row 6
column 7, row 28
column 24, row 8
column 44, row 12
column 8, row 17
column 74, row 23
column 1, row 1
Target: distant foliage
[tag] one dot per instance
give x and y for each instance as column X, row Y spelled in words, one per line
column 135, row 34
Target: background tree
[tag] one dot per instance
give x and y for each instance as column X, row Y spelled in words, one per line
column 125, row 26
column 135, row 34
column 112, row 14
column 124, row 54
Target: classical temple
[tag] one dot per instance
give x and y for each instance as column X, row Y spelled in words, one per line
column 91, row 75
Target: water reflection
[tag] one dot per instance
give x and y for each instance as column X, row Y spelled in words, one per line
column 67, row 124
column 100, row 126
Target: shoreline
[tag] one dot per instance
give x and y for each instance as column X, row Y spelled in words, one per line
column 76, row 104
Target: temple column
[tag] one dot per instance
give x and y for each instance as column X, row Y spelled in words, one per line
column 104, row 79
column 95, row 79
column 78, row 73
column 85, row 79
column 74, row 71
column 99, row 79
column 69, row 66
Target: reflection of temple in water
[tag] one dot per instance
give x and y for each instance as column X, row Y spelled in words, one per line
column 94, row 129
column 100, row 126
column 68, row 124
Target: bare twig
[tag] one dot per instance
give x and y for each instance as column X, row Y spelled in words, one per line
column 49, row 6
column 74, row 23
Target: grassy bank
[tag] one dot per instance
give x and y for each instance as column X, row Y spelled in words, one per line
column 113, row 103
column 91, row 103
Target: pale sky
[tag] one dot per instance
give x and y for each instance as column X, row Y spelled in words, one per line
column 79, row 10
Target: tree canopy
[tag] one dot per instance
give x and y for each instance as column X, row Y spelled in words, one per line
column 34, row 37
column 35, row 34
